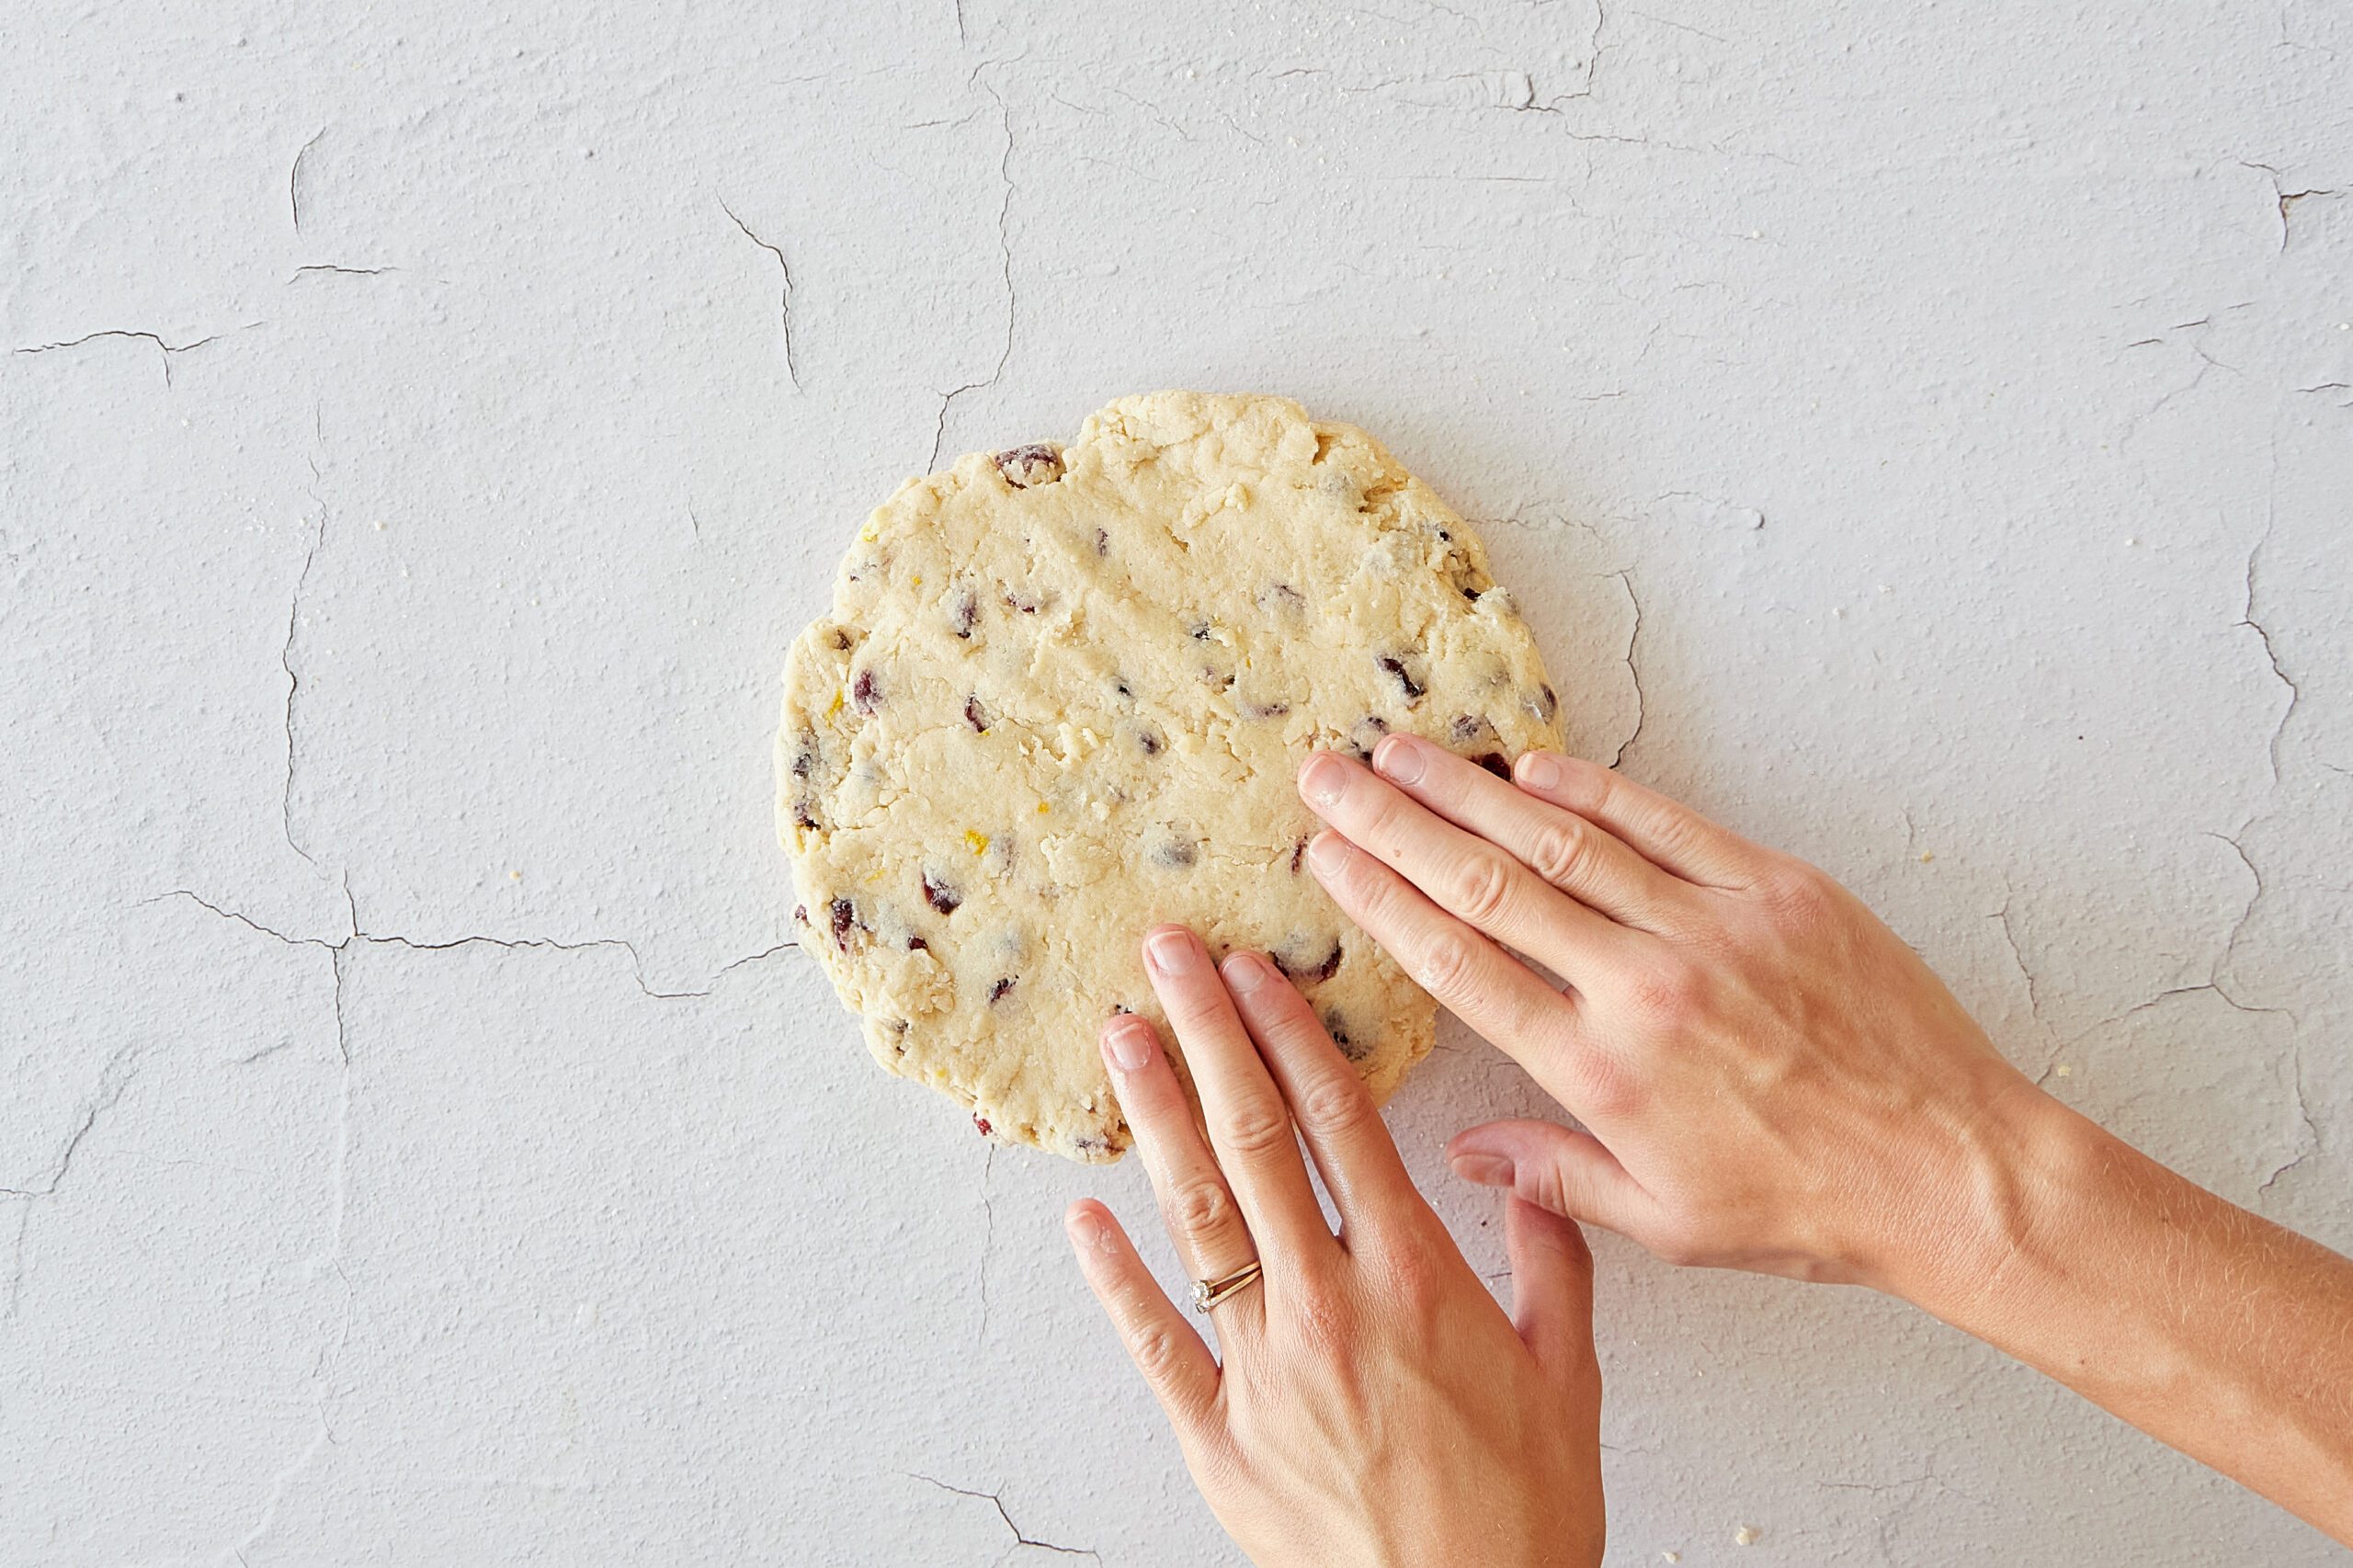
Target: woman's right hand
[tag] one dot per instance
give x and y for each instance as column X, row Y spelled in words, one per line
column 1771, row 1079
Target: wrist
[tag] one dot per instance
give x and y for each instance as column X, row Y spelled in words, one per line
column 2016, row 1171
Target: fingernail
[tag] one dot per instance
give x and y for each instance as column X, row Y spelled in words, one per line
column 1399, row 759
column 1486, row 1170
column 1541, row 770
column 1244, row 973
column 1086, row 1231
column 1129, row 1045
column 1326, row 853
column 1173, row 952
column 1323, row 779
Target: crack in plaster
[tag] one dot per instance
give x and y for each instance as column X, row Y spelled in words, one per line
column 2017, row 957
column 345, row 271
column 164, row 348
column 784, row 299
column 113, row 1078
column 1624, row 579
column 2285, row 198
column 286, row 656
column 2247, row 619
column 381, row 938
column 997, row 1502
column 1012, row 301
column 988, row 1237
column 294, row 177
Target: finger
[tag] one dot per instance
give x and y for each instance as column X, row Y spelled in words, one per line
column 1666, row 832
column 1250, row 1128
column 1556, row 1168
column 1175, row 1363
column 1460, row 872
column 1334, row 1110
column 1570, row 852
column 1552, row 1289
column 1195, row 1204
column 1486, row 988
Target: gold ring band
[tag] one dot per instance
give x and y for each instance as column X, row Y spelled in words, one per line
column 1208, row 1293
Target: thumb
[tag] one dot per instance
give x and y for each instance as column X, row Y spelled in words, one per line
column 1556, row 1168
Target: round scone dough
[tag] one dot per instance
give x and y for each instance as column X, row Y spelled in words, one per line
column 1063, row 696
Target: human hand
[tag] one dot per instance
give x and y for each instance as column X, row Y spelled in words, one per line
column 1769, row 1078
column 1375, row 1408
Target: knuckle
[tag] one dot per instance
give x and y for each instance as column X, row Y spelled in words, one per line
column 1607, row 1092
column 1668, row 993
column 1415, row 1272
column 1336, row 1104
column 1479, row 888
column 1798, row 894
column 1256, row 1128
column 1153, row 1350
column 1320, row 1320
column 1200, row 1206
column 1448, row 959
column 1561, row 852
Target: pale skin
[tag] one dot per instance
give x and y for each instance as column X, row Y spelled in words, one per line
column 1767, row 1078
column 1375, row 1406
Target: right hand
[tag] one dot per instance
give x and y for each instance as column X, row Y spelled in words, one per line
column 1768, row 1077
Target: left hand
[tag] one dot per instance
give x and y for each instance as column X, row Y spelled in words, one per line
column 1375, row 1408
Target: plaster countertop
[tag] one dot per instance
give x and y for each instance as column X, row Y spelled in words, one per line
column 1921, row 435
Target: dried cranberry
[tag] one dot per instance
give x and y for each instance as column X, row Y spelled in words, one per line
column 1102, row 542
column 972, row 716
column 1264, row 709
column 801, row 913
column 1338, row 1028
column 802, row 763
column 1472, row 595
column 1496, row 763
column 1307, row 974
column 998, row 991
column 942, row 897
column 803, row 816
column 983, row 1123
column 1552, row 703
column 1395, row 668
column 1034, row 464
column 1149, row 742
column 1297, row 850
column 1465, row 726
column 844, row 912
column 917, row 945
column 968, row 610
column 863, row 693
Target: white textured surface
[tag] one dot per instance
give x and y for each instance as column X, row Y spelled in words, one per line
column 415, row 1151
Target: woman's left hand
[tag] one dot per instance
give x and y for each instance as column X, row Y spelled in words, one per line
column 1375, row 1406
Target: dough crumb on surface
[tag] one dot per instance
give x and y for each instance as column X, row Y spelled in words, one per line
column 1062, row 694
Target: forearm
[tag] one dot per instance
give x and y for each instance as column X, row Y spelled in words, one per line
column 2206, row 1326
